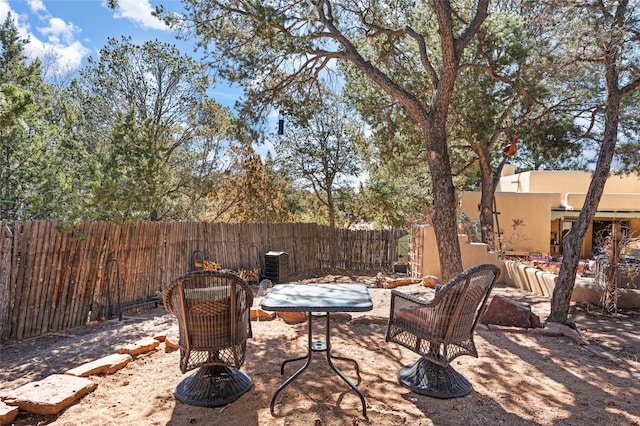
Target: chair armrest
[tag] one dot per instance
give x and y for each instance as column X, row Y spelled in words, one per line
column 406, row 307
column 410, row 299
column 247, row 290
column 167, row 296
column 425, row 318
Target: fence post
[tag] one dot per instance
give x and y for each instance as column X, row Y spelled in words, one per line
column 5, row 277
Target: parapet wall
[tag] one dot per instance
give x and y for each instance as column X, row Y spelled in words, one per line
column 533, row 280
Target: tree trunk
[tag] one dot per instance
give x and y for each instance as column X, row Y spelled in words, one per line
column 444, row 196
column 572, row 242
column 486, row 200
column 432, row 120
column 332, row 210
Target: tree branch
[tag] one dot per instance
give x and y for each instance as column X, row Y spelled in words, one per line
column 424, row 57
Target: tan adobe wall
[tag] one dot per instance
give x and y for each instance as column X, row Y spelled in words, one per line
column 472, row 253
column 565, row 181
column 533, row 209
column 623, row 184
column 609, row 201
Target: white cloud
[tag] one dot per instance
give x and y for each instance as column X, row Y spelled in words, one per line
column 65, row 57
column 36, row 5
column 139, row 11
column 20, row 21
column 4, row 9
column 59, row 31
column 55, row 43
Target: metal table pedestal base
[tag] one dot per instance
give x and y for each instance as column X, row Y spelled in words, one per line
column 319, row 347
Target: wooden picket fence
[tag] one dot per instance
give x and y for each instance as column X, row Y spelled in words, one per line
column 52, row 280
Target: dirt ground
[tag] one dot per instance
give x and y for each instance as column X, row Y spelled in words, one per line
column 519, row 378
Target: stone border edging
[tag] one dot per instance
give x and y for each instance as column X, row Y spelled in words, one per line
column 53, row 394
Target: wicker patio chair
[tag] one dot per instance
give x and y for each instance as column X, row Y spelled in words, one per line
column 213, row 312
column 440, row 330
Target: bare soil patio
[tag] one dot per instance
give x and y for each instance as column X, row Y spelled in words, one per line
column 520, row 378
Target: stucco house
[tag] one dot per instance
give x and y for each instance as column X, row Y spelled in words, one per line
column 536, row 208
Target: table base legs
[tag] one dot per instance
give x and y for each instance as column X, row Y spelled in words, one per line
column 319, row 347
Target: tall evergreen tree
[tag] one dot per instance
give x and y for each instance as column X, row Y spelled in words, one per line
column 42, row 168
column 156, row 134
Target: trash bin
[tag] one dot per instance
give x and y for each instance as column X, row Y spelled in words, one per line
column 276, row 266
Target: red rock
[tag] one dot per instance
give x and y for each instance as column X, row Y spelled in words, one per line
column 160, row 336
column 507, row 312
column 172, row 338
column 141, row 346
column 429, row 281
column 371, row 319
column 105, row 365
column 7, row 413
column 261, row 315
column 340, row 316
column 50, row 395
column 292, row 317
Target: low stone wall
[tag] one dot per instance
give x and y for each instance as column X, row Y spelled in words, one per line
column 539, row 282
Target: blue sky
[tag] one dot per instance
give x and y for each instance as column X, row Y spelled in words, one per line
column 64, row 33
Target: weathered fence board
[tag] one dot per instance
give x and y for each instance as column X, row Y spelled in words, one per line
column 6, row 237
column 52, row 280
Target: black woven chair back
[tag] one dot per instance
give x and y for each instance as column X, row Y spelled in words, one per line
column 442, row 328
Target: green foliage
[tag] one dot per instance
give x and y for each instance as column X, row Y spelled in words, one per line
column 284, row 52
column 628, row 149
column 318, row 150
column 471, row 228
column 13, row 104
column 43, row 169
column 134, row 138
column 133, row 173
column 157, row 137
column 394, row 156
column 551, row 144
column 629, row 157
